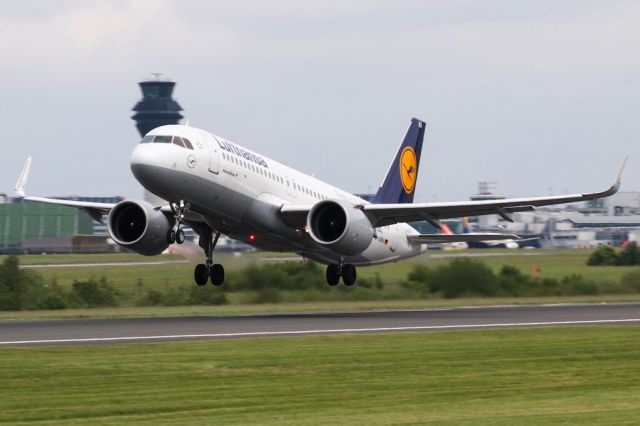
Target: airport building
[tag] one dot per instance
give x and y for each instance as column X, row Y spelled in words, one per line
column 26, row 226
column 608, row 221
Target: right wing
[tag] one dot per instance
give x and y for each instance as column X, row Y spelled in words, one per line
column 95, row 210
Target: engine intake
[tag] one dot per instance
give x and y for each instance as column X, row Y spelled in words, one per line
column 340, row 227
column 138, row 226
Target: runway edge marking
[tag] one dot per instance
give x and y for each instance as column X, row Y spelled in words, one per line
column 324, row 331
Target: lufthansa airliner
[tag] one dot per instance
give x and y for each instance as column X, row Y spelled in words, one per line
column 219, row 187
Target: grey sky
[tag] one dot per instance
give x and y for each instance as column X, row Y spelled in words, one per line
column 534, row 94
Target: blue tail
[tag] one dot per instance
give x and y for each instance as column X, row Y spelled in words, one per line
column 400, row 183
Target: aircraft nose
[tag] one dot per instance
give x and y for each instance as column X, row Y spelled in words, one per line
column 143, row 155
column 146, row 161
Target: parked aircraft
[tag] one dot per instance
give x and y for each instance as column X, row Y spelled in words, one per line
column 219, row 187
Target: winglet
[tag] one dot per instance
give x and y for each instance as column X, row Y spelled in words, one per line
column 616, row 185
column 22, row 180
column 618, row 181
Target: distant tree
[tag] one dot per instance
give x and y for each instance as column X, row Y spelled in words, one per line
column 604, row 256
column 630, row 255
column 19, row 289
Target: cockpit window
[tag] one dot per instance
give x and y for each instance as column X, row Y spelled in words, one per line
column 162, row 139
column 177, row 140
column 187, row 143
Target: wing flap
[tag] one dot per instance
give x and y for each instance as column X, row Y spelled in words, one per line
column 458, row 238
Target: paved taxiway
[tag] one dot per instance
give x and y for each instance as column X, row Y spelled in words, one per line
column 14, row 333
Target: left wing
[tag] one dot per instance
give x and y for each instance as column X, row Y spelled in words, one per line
column 458, row 238
column 386, row 214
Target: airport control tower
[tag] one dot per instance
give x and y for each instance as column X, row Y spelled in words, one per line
column 157, row 107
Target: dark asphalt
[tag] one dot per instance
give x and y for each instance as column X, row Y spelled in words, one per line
column 14, row 333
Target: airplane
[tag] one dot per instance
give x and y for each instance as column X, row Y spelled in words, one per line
column 219, row 187
column 498, row 243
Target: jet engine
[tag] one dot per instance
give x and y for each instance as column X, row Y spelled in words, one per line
column 340, row 227
column 138, row 226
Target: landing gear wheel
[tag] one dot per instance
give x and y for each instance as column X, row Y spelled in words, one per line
column 217, row 274
column 171, row 236
column 349, row 275
column 180, row 236
column 200, row 274
column 333, row 275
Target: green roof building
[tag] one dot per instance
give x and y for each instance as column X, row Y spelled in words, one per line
column 24, row 221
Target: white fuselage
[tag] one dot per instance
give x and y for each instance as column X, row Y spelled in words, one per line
column 240, row 193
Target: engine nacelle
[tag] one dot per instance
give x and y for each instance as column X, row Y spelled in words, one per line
column 340, row 227
column 138, row 226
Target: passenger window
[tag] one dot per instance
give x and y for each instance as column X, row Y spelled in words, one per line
column 162, row 139
column 187, row 143
column 147, row 139
column 177, row 140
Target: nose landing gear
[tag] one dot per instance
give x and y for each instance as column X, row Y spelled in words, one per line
column 209, row 270
column 176, row 233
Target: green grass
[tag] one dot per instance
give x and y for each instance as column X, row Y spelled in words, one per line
column 553, row 264
column 61, row 259
column 281, row 308
column 493, row 377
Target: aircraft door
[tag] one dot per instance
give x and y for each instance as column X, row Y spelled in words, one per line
column 214, row 155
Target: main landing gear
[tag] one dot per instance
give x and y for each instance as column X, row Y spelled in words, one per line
column 176, row 233
column 215, row 271
column 347, row 272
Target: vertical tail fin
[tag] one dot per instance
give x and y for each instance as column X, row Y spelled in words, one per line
column 400, row 183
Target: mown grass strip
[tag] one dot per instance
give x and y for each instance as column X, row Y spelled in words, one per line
column 562, row 375
column 308, row 307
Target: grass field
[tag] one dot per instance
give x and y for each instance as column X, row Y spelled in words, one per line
column 553, row 264
column 580, row 375
column 288, row 308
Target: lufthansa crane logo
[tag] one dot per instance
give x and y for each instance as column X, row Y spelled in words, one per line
column 408, row 169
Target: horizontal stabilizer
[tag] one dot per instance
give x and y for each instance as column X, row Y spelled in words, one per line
column 458, row 238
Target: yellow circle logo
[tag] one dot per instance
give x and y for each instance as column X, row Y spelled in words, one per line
column 408, row 169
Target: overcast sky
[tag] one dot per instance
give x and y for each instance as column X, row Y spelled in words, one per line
column 538, row 95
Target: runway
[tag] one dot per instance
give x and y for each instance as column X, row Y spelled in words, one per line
column 102, row 331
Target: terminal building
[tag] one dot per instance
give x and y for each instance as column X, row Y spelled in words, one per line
column 608, row 221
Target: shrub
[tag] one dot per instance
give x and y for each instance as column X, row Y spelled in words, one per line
column 603, row 256
column 464, row 277
column 207, row 296
column 23, row 290
column 267, row 295
column 574, row 285
column 93, row 294
column 513, row 282
column 630, row 255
